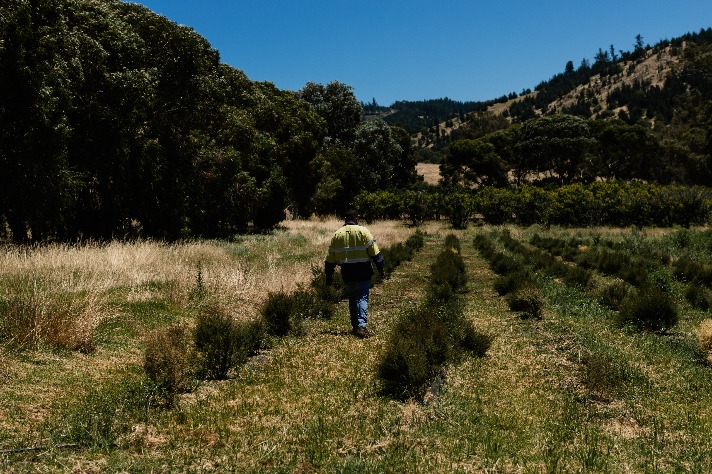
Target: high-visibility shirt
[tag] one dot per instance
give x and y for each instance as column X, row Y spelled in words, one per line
column 353, row 247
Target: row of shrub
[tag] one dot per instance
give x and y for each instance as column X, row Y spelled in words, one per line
column 601, row 203
column 515, row 281
column 175, row 358
column 433, row 333
column 647, row 305
column 635, row 270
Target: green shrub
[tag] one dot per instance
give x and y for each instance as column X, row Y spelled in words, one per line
column 452, row 242
column 648, row 309
column 503, row 264
column 418, row 346
column 606, row 372
column 307, row 306
column 511, row 282
column 576, row 276
column 394, row 255
column 278, row 312
column 613, row 295
column 222, row 343
column 528, row 301
column 332, row 293
column 449, row 269
column 168, row 363
column 416, row 241
column 698, row 297
column 285, row 313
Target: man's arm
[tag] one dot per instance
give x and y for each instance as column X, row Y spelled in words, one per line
column 379, row 261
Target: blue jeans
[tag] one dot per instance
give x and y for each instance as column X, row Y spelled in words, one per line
column 358, row 302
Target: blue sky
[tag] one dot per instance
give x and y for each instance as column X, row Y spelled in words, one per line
column 417, row 50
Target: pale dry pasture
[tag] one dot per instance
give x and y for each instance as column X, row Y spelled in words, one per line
column 60, row 293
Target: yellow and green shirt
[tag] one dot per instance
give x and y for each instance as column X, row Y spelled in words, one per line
column 353, row 248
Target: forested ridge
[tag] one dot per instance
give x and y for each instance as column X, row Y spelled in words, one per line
column 117, row 122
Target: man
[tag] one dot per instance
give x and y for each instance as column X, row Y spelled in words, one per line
column 353, row 248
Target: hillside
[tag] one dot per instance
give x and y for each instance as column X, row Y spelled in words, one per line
column 652, row 69
column 647, row 83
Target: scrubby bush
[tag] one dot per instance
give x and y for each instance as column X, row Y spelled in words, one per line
column 575, row 276
column 606, row 372
column 222, row 343
column 648, row 309
column 99, row 416
column 449, row 269
column 452, row 242
column 167, row 362
column 332, row 293
column 503, row 264
column 612, row 295
column 395, row 255
column 511, row 282
column 284, row 313
column 704, row 338
column 698, row 297
column 429, row 336
column 416, row 241
column 279, row 314
column 528, row 301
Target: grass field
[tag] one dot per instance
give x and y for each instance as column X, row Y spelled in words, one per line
column 570, row 392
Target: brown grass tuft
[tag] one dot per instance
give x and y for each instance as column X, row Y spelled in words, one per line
column 704, row 337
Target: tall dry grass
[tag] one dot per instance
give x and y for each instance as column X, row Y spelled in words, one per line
column 59, row 294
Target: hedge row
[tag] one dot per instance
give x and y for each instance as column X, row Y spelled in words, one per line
column 428, row 336
column 612, row 204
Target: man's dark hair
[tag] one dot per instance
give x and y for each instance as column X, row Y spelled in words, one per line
column 351, row 215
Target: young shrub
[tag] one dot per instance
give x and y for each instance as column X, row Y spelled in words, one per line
column 704, row 338
column 576, row 276
column 418, row 346
column 416, row 241
column 449, row 268
column 649, row 309
column 698, row 297
column 605, row 373
column 506, row 284
column 474, row 342
column 285, row 313
column 452, row 242
column 307, row 306
column 332, row 293
column 167, row 362
column 223, row 343
column 613, row 295
column 99, row 417
column 503, row 264
column 528, row 301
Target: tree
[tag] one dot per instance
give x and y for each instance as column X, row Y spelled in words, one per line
column 473, row 162
column 337, row 105
column 554, row 145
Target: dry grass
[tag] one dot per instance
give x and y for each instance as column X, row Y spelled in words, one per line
column 429, row 171
column 704, row 338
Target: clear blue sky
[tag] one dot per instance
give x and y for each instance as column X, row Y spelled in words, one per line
column 417, row 50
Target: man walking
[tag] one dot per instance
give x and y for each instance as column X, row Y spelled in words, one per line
column 353, row 248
